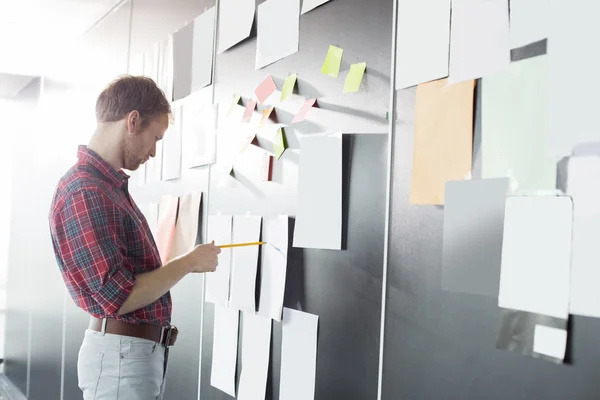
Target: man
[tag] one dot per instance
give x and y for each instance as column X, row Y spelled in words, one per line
column 107, row 256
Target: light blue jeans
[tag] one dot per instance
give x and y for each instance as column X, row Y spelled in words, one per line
column 115, row 367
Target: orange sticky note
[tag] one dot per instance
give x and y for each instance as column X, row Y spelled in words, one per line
column 304, row 110
column 265, row 89
column 251, row 139
column 443, row 142
column 266, row 113
column 248, row 111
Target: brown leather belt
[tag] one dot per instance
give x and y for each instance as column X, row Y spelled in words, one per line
column 166, row 336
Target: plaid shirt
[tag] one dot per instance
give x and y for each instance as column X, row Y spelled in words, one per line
column 102, row 241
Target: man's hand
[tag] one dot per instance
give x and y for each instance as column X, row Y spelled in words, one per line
column 203, row 258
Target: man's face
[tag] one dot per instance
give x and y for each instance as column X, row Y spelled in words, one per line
column 140, row 143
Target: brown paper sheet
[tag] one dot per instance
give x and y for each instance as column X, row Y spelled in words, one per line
column 443, row 143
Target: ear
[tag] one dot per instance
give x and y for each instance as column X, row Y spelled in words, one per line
column 134, row 122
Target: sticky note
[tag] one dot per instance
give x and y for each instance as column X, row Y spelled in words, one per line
column 264, row 90
column 234, row 102
column 332, row 63
column 288, row 86
column 266, row 113
column 354, row 77
column 304, row 110
column 248, row 112
column 280, row 143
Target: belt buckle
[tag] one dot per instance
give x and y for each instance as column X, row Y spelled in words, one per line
column 170, row 331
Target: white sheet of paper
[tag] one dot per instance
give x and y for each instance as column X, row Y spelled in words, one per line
column 583, row 186
column 572, row 106
column 528, row 21
column 278, row 31
column 319, row 212
column 256, row 349
column 183, row 44
column 202, row 51
column 235, row 22
column 154, row 165
column 536, row 255
column 244, row 263
column 166, row 66
column 550, row 341
column 298, row 355
column 479, row 39
column 273, row 266
column 309, row 5
column 199, row 131
column 225, row 346
column 172, row 148
column 217, row 283
column 422, row 41
column 252, row 164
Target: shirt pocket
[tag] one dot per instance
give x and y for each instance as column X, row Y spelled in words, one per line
column 139, row 350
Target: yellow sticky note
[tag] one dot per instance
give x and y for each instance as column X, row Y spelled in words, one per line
column 332, row 63
column 354, row 77
column 288, row 86
column 279, row 144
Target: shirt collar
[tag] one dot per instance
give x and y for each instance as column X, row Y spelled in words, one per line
column 87, row 156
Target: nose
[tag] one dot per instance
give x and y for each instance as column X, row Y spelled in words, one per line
column 153, row 151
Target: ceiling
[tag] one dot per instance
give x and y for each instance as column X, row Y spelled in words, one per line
column 32, row 31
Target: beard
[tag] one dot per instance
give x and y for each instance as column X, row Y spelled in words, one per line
column 131, row 161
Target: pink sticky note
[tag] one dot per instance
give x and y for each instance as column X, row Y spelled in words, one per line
column 264, row 90
column 304, row 110
column 167, row 216
column 249, row 110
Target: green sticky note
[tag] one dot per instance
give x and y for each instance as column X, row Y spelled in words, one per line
column 234, row 102
column 288, row 86
column 280, row 144
column 514, row 130
column 354, row 77
column 332, row 63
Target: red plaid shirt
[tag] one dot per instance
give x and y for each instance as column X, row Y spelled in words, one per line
column 102, row 241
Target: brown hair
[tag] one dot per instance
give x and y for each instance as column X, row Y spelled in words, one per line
column 131, row 93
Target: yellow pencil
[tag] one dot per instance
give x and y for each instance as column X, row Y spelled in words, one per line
column 227, row 246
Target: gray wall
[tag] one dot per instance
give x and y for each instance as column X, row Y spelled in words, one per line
column 440, row 344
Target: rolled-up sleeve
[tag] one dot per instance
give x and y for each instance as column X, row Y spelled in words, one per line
column 87, row 237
